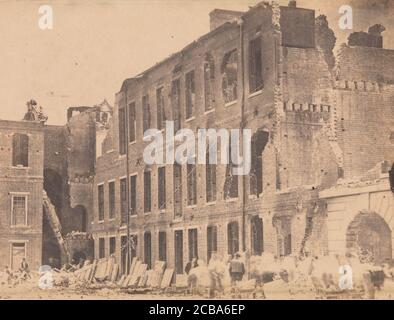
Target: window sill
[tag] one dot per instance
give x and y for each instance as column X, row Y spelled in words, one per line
column 228, row 104
column 192, row 206
column 256, row 93
column 211, row 203
column 133, row 216
column 19, row 226
column 147, row 213
column 231, row 199
column 190, row 119
column 132, row 142
column 20, row 168
column 100, row 221
column 112, row 219
column 209, row 111
column 162, row 211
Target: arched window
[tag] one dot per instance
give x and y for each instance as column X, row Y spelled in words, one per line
column 20, row 150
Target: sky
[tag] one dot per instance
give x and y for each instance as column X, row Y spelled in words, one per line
column 95, row 45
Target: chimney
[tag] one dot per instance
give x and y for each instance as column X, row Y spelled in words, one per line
column 292, row 4
column 219, row 17
column 372, row 39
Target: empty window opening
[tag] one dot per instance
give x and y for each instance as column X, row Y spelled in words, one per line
column 209, row 82
column 259, row 141
column 19, row 211
column 132, row 122
column 283, row 233
column 210, row 180
column 233, row 237
column 162, row 246
column 148, row 249
column 111, row 199
column 101, row 248
column 100, row 196
column 229, row 76
column 190, row 95
column 176, row 104
column 123, row 200
column 161, row 188
column 231, row 182
column 122, row 131
column 193, row 244
column 178, row 243
column 177, row 190
column 20, row 150
column 255, row 66
column 112, row 245
column 133, row 195
column 256, row 231
column 125, row 263
column 191, row 185
column 146, row 113
column 147, row 192
column 212, row 241
column 160, row 111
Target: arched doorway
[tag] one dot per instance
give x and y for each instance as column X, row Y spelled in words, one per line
column 369, row 236
column 256, row 230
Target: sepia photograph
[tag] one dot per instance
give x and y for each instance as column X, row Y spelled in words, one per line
column 176, row 150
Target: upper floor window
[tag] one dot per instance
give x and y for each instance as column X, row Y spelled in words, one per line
column 122, row 131
column 190, row 95
column 209, row 83
column 19, row 210
column 191, row 185
column 111, row 199
column 20, row 150
column 147, row 192
column 133, row 195
column 161, row 116
column 146, row 112
column 255, row 66
column 132, row 122
column 176, row 103
column 230, row 75
column 100, row 197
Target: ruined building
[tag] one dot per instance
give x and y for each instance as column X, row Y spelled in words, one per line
column 46, row 176
column 317, row 122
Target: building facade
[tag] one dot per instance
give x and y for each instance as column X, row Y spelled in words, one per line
column 21, row 188
column 315, row 120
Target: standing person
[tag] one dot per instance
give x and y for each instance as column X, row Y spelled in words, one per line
column 237, row 269
column 25, row 268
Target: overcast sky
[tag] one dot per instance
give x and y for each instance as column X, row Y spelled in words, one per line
column 95, row 45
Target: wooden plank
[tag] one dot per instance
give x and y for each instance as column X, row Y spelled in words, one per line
column 167, row 278
column 115, row 273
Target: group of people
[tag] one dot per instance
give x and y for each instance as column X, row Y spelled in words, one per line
column 15, row 277
column 218, row 274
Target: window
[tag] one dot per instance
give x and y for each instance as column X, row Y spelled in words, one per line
column 210, row 180
column 146, row 113
column 111, row 199
column 132, row 122
column 148, row 249
column 259, row 141
column 212, row 241
column 123, row 200
column 230, row 74
column 125, row 265
column 255, row 66
column 190, row 95
column 122, row 131
column 161, row 188
column 231, row 182
column 209, row 83
column 101, row 248
column 177, row 190
column 18, row 252
column 100, row 196
column 112, row 245
column 191, row 185
column 233, row 237
column 176, row 103
column 161, row 116
column 178, row 243
column 133, row 195
column 147, row 192
column 162, row 246
column 20, row 150
column 19, row 211
column 193, row 244
column 256, row 225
